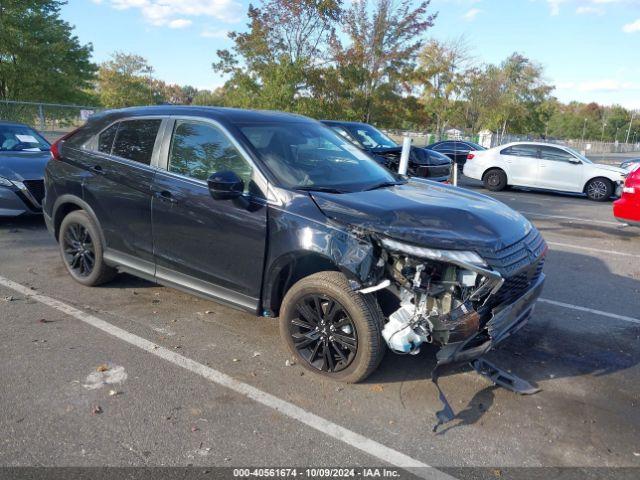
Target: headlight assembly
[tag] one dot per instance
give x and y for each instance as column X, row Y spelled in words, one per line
column 5, row 183
column 452, row 256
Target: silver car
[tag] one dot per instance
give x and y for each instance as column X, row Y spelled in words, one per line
column 24, row 154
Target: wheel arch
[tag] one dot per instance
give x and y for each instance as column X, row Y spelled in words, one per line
column 65, row 204
column 595, row 177
column 289, row 269
column 495, row 167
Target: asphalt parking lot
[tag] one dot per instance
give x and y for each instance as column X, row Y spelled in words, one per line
column 134, row 374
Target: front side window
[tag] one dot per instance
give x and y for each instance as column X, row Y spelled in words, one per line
column 135, row 139
column 309, row 156
column 199, row 149
column 556, row 154
column 20, row 138
column 521, row 151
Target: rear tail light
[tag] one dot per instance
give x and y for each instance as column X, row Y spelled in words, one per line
column 470, row 156
column 55, row 147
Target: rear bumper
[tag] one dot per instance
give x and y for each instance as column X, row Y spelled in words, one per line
column 506, row 320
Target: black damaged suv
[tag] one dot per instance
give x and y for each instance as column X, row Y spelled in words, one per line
column 278, row 215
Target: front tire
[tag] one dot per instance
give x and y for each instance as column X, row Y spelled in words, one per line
column 599, row 189
column 81, row 250
column 331, row 329
column 495, row 180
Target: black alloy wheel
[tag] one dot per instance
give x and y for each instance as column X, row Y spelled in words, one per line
column 323, row 333
column 79, row 252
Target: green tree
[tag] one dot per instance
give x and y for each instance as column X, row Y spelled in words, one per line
column 40, row 58
column 270, row 64
column 126, row 80
column 376, row 60
column 440, row 79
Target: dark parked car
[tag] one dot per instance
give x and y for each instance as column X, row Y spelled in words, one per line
column 274, row 214
column 24, row 154
column 422, row 162
column 456, row 150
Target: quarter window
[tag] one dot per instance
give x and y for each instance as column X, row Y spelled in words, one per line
column 199, row 149
column 135, row 140
column 105, row 139
column 556, row 154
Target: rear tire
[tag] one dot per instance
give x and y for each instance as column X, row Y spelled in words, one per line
column 81, row 250
column 495, row 180
column 344, row 341
column 599, row 189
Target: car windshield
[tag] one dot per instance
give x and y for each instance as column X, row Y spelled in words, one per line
column 313, row 157
column 371, row 137
column 578, row 154
column 20, row 138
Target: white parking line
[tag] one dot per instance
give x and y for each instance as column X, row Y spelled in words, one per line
column 596, row 250
column 590, row 310
column 574, row 219
column 351, row 438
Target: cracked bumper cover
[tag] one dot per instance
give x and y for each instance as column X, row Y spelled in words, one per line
column 506, row 319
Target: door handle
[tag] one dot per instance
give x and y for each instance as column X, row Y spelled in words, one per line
column 165, row 195
column 98, row 169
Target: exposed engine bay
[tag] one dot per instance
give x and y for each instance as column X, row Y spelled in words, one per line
column 439, row 301
column 446, row 298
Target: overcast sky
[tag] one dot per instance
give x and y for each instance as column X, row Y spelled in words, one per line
column 590, row 48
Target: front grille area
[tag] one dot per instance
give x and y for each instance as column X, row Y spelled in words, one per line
column 520, row 265
column 520, row 255
column 36, row 189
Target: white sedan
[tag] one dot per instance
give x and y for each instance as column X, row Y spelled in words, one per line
column 544, row 166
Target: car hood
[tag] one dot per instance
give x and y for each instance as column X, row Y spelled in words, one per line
column 610, row 168
column 428, row 214
column 23, row 165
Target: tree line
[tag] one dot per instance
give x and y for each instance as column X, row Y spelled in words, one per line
column 370, row 60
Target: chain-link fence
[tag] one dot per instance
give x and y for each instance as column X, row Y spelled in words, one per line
column 51, row 119
column 490, row 140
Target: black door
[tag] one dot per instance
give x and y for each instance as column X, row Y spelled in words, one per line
column 216, row 247
column 118, row 189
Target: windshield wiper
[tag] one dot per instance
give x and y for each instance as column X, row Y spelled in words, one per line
column 316, row 188
column 384, row 185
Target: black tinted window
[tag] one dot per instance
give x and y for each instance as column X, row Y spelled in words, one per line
column 105, row 139
column 521, row 151
column 199, row 149
column 557, row 154
column 135, row 140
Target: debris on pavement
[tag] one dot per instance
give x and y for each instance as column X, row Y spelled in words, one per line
column 96, row 410
column 194, row 429
column 289, row 363
column 256, row 354
column 9, row 298
column 105, row 375
column 113, row 393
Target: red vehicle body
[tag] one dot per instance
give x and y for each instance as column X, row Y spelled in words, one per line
column 627, row 209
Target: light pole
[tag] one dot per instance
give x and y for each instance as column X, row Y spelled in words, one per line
column 584, row 129
column 633, row 115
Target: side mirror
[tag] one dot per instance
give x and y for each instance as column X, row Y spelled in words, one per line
column 225, row 185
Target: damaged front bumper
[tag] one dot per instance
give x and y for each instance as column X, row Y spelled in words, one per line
column 505, row 320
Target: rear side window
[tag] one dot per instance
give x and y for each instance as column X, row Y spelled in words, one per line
column 135, row 140
column 105, row 139
column 521, row 151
